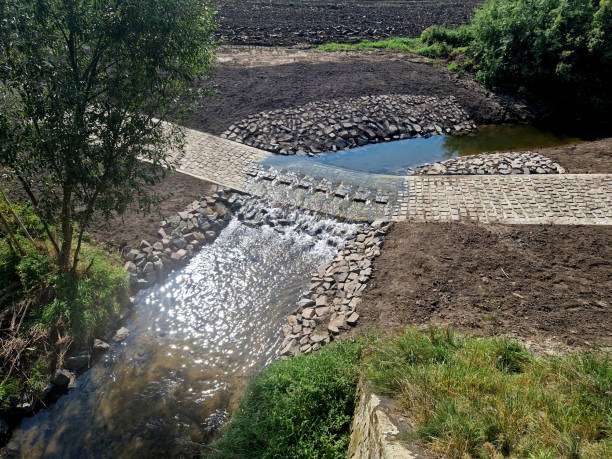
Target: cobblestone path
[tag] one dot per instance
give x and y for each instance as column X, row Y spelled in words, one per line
column 218, row 160
column 571, row 199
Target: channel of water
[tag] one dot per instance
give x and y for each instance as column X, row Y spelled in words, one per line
column 194, row 340
column 399, row 157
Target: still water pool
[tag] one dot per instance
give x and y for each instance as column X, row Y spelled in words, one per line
column 399, row 157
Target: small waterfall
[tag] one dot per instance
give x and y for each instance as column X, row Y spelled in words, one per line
column 194, row 340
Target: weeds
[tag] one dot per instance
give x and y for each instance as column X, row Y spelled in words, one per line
column 42, row 313
column 491, row 397
column 299, row 408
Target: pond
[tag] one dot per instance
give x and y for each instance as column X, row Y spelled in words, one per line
column 399, row 157
column 194, row 340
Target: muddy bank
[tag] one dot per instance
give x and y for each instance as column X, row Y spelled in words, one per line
column 538, row 283
column 243, row 89
column 286, row 22
column 583, row 158
column 127, row 232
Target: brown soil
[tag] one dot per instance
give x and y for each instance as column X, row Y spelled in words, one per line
column 293, row 77
column 283, row 22
column 584, row 158
column 127, row 232
column 548, row 285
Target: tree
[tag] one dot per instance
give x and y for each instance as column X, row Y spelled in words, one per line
column 86, row 88
column 557, row 53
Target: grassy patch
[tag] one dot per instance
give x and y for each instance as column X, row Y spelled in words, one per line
column 435, row 42
column 491, row 398
column 299, row 408
column 44, row 313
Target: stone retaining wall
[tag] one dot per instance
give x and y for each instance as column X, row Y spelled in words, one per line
column 376, row 428
column 340, row 124
column 179, row 238
column 329, row 307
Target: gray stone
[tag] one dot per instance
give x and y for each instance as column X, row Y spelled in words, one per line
column 121, row 335
column 99, row 345
column 77, row 362
column 62, row 377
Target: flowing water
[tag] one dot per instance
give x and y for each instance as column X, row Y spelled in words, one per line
column 399, row 157
column 193, row 341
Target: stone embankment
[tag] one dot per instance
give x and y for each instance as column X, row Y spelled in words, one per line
column 179, row 238
column 329, row 307
column 340, row 124
column 378, row 425
column 506, row 163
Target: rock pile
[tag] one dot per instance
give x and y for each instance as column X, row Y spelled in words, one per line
column 330, row 305
column 524, row 162
column 328, row 126
column 179, row 239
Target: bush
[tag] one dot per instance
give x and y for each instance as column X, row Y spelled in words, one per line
column 93, row 302
column 299, row 408
column 558, row 52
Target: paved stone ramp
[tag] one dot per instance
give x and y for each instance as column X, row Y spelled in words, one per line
column 570, row 199
column 218, row 160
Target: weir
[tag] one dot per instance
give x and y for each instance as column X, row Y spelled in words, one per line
column 194, row 340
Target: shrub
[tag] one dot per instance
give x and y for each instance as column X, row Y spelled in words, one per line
column 299, row 408
column 91, row 303
column 558, row 52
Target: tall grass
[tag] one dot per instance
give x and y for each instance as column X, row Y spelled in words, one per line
column 435, row 42
column 491, row 398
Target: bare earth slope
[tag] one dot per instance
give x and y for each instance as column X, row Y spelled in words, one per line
column 534, row 282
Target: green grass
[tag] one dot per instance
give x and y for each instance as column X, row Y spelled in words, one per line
column 299, row 408
column 48, row 306
column 435, row 42
column 491, row 398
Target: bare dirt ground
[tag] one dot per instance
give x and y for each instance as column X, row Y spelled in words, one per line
column 290, row 22
column 251, row 80
column 127, row 232
column 547, row 285
column 583, row 158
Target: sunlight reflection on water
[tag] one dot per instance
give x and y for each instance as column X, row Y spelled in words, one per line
column 193, row 341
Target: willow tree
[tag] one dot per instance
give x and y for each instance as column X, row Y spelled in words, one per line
column 85, row 89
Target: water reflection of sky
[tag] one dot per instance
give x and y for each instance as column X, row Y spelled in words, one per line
column 398, row 157
column 193, row 340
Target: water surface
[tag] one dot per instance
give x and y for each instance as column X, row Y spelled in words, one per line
column 401, row 156
column 193, row 341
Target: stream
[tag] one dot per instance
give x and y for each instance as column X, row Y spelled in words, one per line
column 194, row 341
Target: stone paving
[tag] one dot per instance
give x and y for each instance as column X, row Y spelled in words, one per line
column 570, row 199
column 218, row 160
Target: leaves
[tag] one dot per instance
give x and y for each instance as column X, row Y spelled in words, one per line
column 85, row 88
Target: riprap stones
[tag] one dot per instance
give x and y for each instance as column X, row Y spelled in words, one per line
column 328, row 126
column 506, row 163
column 330, row 305
column 179, row 238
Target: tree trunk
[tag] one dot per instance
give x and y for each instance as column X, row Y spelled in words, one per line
column 67, row 228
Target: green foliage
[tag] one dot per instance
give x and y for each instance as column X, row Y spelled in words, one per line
column 93, row 301
column 8, row 264
column 10, row 390
column 482, row 397
column 85, row 87
column 299, row 408
column 555, row 51
column 35, row 269
column 435, row 42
